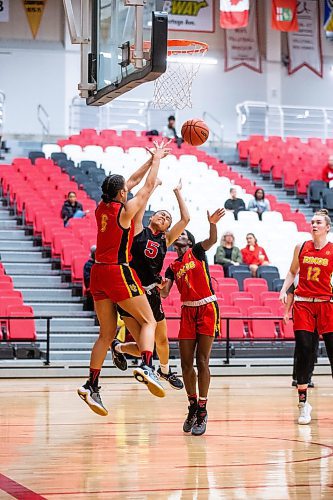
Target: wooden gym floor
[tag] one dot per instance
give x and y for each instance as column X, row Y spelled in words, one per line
column 52, row 446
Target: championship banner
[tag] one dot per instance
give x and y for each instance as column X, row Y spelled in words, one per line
column 4, row 11
column 190, row 15
column 242, row 45
column 34, row 10
column 305, row 46
column 328, row 18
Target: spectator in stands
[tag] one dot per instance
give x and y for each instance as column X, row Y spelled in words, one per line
column 327, row 173
column 227, row 254
column 89, row 302
column 72, row 208
column 254, row 255
column 234, row 204
column 259, row 204
column 170, row 131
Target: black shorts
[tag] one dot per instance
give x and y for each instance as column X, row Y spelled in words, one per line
column 154, row 299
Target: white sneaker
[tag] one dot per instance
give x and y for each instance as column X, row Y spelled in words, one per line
column 304, row 413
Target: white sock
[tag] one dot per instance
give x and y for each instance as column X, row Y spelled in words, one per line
column 164, row 368
column 118, row 348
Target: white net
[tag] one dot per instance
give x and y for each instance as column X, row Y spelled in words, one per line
column 173, row 89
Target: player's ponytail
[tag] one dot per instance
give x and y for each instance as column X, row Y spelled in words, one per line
column 324, row 213
column 111, row 186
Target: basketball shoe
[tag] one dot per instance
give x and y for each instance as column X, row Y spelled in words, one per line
column 304, row 413
column 200, row 425
column 191, row 418
column 118, row 358
column 172, row 378
column 146, row 375
column 91, row 396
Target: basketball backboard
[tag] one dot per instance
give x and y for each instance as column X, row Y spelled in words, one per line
column 123, row 44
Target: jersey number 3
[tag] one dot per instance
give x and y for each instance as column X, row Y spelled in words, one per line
column 151, row 249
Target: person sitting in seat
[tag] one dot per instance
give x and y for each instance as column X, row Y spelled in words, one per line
column 72, row 209
column 234, row 204
column 327, row 173
column 170, row 131
column 259, row 204
column 89, row 302
column 254, row 255
column 227, row 254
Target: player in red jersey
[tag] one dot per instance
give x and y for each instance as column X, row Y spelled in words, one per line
column 200, row 319
column 114, row 282
column 149, row 249
column 313, row 303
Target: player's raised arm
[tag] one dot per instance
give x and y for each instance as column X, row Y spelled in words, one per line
column 138, row 219
column 139, row 174
column 213, row 220
column 179, row 227
column 140, row 199
column 290, row 278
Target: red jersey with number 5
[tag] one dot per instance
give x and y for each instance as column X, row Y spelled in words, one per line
column 315, row 271
column 113, row 241
column 191, row 275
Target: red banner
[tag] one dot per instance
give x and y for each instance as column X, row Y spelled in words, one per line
column 284, row 15
column 234, row 13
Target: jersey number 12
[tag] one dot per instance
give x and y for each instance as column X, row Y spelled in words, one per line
column 151, row 249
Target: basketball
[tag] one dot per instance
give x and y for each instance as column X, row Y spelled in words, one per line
column 195, row 132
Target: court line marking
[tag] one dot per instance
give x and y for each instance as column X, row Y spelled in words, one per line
column 219, row 488
column 17, row 490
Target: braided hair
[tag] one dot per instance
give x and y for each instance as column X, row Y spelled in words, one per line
column 112, row 184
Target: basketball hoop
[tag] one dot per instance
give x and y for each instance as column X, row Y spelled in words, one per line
column 173, row 89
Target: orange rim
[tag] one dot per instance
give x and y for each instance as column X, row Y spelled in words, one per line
column 176, row 47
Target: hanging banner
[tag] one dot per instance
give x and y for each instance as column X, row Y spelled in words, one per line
column 305, row 46
column 4, row 11
column 328, row 18
column 190, row 15
column 242, row 45
column 34, row 10
column 233, row 14
column 284, row 15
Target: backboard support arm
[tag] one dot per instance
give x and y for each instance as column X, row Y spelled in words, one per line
column 138, row 55
column 83, row 39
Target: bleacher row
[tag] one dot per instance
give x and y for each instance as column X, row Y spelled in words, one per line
column 292, row 164
column 38, row 190
column 206, row 184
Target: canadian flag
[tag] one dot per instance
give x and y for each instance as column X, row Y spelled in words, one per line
column 234, row 13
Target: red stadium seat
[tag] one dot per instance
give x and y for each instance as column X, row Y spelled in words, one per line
column 236, row 326
column 24, row 329
column 243, row 303
column 261, row 329
column 78, row 262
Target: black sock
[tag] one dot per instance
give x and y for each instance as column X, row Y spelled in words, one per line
column 202, row 403
column 147, row 358
column 193, row 400
column 93, row 376
column 302, row 393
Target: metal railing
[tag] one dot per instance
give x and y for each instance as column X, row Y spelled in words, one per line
column 216, row 129
column 225, row 339
column 44, row 119
column 256, row 117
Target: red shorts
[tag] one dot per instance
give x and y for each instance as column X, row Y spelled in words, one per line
column 311, row 316
column 114, row 282
column 200, row 320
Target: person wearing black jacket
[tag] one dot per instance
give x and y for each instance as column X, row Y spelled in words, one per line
column 72, row 208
